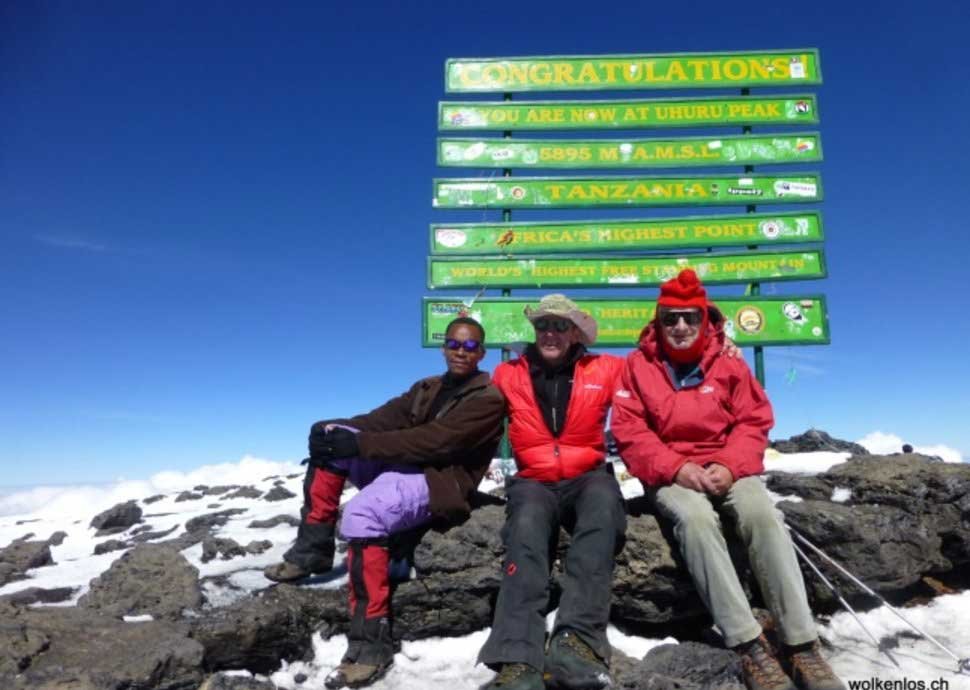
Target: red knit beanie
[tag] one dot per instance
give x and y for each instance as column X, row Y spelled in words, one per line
column 684, row 292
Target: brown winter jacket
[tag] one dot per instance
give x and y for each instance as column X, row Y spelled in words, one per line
column 454, row 447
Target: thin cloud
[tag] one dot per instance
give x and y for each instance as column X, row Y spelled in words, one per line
column 61, row 242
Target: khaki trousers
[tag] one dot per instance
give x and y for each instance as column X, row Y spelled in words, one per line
column 696, row 520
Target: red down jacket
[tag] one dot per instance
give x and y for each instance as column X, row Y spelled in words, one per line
column 581, row 446
column 658, row 428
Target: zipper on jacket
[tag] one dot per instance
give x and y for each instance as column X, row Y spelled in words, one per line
column 555, row 401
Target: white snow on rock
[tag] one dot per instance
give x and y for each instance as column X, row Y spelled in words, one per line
column 433, row 664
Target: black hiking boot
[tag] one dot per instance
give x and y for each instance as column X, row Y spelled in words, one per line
column 515, row 677
column 571, row 664
column 311, row 554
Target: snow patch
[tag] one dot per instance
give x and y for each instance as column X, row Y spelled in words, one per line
column 841, row 494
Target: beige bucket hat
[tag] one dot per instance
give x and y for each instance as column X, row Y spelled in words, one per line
column 559, row 305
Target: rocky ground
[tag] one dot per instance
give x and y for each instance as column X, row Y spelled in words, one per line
column 150, row 621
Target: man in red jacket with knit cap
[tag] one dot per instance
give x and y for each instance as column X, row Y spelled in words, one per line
column 557, row 397
column 693, row 425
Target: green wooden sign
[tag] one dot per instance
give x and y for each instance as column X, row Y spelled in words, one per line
column 650, row 71
column 623, row 271
column 800, row 109
column 625, row 235
column 629, row 153
column 565, row 192
column 749, row 321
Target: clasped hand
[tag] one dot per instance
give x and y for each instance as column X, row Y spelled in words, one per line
column 715, row 479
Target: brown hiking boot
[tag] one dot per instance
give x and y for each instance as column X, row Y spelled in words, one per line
column 285, row 572
column 515, row 677
column 809, row 670
column 351, row 674
column 760, row 669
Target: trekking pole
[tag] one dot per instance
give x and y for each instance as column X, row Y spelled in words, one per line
column 881, row 647
column 963, row 665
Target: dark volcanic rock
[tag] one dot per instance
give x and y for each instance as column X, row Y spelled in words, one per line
column 809, row 487
column 274, row 521
column 224, row 682
column 57, row 538
column 8, row 572
column 219, row 490
column 225, row 549
column 278, row 493
column 77, row 649
column 24, row 555
column 245, row 492
column 153, row 499
column 886, row 548
column 906, row 517
column 148, row 536
column 117, row 518
column 685, row 666
column 276, row 623
column 150, row 579
column 110, row 545
column 258, row 547
column 459, row 574
column 39, row 595
column 187, row 496
column 815, row 440
column 209, row 520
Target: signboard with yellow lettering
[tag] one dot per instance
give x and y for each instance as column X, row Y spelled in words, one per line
column 564, row 192
column 658, row 112
column 625, row 235
column 651, row 71
column 544, row 272
column 630, row 153
column 770, row 320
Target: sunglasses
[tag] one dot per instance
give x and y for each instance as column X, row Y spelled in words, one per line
column 466, row 345
column 691, row 318
column 557, row 325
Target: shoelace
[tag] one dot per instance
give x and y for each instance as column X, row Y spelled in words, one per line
column 764, row 666
column 581, row 648
column 811, row 664
column 510, row 672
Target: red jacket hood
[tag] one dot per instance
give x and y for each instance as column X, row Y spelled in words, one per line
column 649, row 344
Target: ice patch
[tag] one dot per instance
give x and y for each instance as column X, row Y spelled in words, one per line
column 841, row 494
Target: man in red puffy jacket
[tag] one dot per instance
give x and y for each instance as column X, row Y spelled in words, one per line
column 693, row 425
column 557, row 397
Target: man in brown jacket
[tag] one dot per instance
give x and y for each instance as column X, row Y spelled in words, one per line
column 417, row 460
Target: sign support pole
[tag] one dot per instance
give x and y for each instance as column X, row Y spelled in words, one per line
column 755, row 288
column 505, row 449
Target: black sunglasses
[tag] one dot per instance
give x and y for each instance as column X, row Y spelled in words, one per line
column 557, row 325
column 466, row 345
column 691, row 318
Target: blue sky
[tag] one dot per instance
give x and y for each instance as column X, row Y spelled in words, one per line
column 214, row 215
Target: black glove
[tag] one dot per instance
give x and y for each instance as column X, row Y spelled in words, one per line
column 336, row 443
